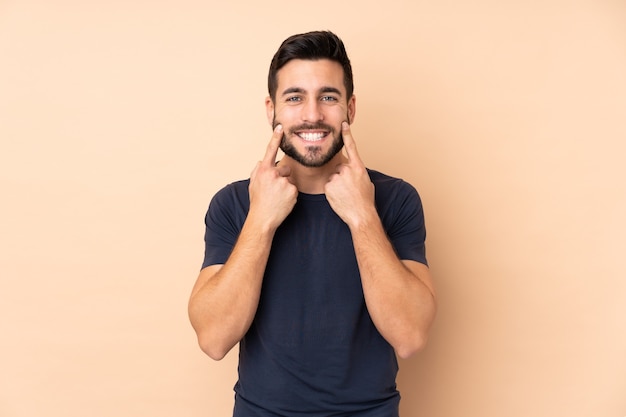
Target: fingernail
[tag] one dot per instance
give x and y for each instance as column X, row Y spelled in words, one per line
column 344, row 125
column 279, row 128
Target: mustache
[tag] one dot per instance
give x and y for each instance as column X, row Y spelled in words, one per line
column 307, row 126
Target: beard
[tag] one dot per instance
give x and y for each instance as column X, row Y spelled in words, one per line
column 314, row 157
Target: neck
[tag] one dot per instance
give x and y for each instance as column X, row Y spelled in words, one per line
column 311, row 180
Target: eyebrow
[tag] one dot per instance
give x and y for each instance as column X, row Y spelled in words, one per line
column 292, row 90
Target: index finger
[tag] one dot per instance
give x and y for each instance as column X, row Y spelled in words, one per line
column 272, row 147
column 349, row 143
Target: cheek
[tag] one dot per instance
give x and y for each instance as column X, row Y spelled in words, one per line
column 285, row 116
column 283, row 113
column 339, row 112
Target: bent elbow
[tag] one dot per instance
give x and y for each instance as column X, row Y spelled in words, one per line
column 213, row 350
column 411, row 347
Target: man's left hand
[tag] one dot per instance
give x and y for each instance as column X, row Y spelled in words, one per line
column 349, row 191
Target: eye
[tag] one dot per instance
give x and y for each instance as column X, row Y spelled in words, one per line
column 293, row 99
column 328, row 98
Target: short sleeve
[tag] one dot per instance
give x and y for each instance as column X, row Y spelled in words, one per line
column 223, row 221
column 400, row 209
column 408, row 231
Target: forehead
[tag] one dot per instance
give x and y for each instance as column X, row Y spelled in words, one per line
column 310, row 75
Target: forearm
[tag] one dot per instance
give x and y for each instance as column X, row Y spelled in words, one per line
column 223, row 303
column 399, row 295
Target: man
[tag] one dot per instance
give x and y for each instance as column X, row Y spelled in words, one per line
column 315, row 265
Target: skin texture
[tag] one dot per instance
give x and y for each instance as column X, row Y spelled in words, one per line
column 311, row 114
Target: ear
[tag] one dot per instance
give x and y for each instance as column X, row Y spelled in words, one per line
column 269, row 110
column 351, row 109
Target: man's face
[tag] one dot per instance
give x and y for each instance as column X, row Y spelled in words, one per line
column 311, row 104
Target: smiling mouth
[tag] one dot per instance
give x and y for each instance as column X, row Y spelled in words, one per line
column 312, row 136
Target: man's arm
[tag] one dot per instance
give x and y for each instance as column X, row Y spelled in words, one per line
column 225, row 297
column 399, row 294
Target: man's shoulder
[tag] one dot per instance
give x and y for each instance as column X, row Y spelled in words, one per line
column 236, row 191
column 393, row 193
column 235, row 187
column 383, row 180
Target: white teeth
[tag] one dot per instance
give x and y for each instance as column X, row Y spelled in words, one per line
column 311, row 137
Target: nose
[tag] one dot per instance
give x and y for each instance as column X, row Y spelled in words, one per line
column 312, row 111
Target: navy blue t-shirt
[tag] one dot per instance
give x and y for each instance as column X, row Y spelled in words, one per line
column 312, row 349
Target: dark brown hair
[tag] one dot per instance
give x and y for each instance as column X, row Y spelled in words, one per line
column 311, row 46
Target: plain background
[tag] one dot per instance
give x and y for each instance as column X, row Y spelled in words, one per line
column 120, row 119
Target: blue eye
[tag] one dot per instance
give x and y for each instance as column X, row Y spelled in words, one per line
column 329, row 98
column 293, row 98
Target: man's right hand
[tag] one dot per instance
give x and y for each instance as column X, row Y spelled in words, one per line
column 272, row 196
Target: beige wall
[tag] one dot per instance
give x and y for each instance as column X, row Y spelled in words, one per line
column 120, row 119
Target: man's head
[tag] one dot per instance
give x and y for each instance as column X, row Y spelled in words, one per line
column 310, row 94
